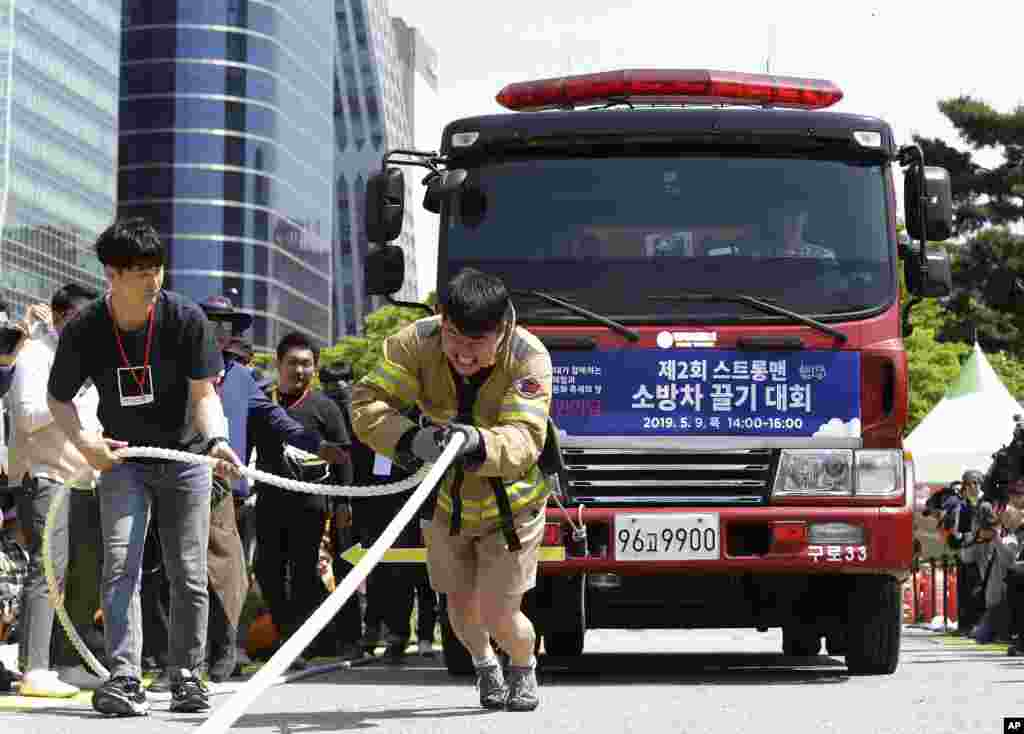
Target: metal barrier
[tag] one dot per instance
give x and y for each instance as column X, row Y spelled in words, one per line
column 933, row 583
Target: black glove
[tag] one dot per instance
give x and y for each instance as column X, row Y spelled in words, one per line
column 426, row 444
column 473, row 444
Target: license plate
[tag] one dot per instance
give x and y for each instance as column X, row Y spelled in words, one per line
column 667, row 537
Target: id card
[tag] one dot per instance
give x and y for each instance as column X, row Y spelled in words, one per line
column 135, row 386
column 381, row 466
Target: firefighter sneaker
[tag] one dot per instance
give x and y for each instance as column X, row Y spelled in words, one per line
column 522, row 689
column 189, row 695
column 491, row 683
column 121, row 696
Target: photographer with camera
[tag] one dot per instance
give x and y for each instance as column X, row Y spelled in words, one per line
column 996, row 543
column 959, row 522
column 954, row 508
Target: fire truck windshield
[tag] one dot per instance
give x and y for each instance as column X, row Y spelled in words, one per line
column 810, row 235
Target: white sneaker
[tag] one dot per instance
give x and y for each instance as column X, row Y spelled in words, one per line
column 80, row 677
column 45, row 684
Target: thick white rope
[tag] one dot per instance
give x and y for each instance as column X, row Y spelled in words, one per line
column 224, row 716
column 57, row 594
column 150, row 452
column 293, row 485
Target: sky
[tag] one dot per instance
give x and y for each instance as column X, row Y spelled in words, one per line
column 893, row 59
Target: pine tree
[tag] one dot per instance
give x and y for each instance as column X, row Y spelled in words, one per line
column 987, row 203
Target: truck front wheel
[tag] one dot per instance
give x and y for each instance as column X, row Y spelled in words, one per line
column 874, row 626
column 564, row 632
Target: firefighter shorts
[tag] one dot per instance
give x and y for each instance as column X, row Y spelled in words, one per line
column 479, row 559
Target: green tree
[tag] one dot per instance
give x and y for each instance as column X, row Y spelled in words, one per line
column 983, row 196
column 970, row 315
column 1010, row 371
column 363, row 352
column 932, row 365
column 986, row 202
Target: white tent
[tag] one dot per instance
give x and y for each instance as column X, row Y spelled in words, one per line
column 969, row 424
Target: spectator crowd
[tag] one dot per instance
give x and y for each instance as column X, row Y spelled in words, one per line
column 981, row 521
column 287, row 547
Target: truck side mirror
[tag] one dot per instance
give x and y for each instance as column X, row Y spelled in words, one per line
column 938, row 203
column 938, row 275
column 935, row 279
column 385, row 205
column 385, row 270
column 441, row 185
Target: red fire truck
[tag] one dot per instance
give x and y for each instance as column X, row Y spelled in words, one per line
column 712, row 260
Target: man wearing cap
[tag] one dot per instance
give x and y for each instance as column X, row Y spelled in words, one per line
column 959, row 524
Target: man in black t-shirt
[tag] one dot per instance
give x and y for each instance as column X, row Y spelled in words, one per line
column 289, row 525
column 153, row 358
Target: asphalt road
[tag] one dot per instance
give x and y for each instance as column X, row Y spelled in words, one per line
column 721, row 682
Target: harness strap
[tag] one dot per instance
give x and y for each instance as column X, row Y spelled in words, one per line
column 467, row 392
column 508, row 527
column 459, row 473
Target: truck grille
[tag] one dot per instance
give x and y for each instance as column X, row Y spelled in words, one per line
column 614, row 476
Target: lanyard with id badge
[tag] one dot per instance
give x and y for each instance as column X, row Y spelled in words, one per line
column 135, row 384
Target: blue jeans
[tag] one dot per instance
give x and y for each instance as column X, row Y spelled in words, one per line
column 179, row 494
column 36, row 610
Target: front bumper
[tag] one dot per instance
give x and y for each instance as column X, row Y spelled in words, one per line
column 747, row 542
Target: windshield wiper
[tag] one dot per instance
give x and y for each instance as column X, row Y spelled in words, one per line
column 613, row 325
column 757, row 303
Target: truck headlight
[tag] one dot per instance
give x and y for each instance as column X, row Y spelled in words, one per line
column 804, row 472
column 879, row 473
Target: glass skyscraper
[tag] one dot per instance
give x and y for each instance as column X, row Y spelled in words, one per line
column 226, row 144
column 59, row 65
column 370, row 118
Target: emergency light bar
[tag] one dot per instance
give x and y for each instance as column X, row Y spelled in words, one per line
column 679, row 86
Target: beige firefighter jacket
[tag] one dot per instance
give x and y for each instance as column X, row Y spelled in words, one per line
column 511, row 412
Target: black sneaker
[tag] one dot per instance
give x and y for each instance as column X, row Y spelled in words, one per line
column 121, row 696
column 189, row 695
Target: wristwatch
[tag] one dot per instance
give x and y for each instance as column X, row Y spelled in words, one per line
column 213, row 442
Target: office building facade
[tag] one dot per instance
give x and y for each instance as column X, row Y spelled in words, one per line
column 418, row 67
column 370, row 119
column 225, row 144
column 59, row 67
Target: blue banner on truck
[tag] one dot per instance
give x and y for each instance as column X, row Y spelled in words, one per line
column 706, row 392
